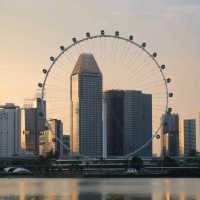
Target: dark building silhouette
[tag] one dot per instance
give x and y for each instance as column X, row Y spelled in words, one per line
column 30, row 129
column 128, row 121
column 66, row 142
column 170, row 135
column 114, row 101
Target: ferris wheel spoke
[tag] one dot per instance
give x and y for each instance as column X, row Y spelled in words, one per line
column 134, row 61
column 125, row 65
column 149, row 75
column 126, row 56
column 137, row 75
column 134, row 56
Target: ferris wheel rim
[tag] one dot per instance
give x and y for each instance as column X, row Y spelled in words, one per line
column 119, row 37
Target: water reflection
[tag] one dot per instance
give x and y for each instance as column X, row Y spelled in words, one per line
column 99, row 189
column 91, row 196
column 87, row 196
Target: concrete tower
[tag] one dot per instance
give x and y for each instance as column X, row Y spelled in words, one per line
column 86, row 107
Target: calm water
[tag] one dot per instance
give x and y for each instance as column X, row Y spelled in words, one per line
column 100, row 189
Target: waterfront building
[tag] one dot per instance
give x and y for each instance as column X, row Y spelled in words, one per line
column 128, row 122
column 57, row 130
column 187, row 138
column 86, row 107
column 10, row 139
column 170, row 135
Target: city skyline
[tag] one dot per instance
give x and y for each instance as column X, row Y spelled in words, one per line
column 181, row 62
column 100, row 99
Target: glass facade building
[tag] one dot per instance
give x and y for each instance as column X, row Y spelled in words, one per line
column 128, row 122
column 187, row 136
column 86, row 107
column 170, row 135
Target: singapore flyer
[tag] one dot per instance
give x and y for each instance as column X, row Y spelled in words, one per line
column 131, row 94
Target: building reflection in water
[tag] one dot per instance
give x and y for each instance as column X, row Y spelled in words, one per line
column 77, row 189
column 95, row 196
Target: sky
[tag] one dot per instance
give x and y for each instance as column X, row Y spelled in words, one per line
column 32, row 30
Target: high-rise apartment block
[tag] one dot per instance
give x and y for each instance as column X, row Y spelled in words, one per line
column 86, row 107
column 10, row 139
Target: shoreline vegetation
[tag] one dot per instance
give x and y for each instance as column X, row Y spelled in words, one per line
column 110, row 168
column 96, row 176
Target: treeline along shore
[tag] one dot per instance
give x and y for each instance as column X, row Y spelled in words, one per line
column 100, row 168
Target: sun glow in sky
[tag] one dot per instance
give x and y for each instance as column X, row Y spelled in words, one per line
column 32, row 30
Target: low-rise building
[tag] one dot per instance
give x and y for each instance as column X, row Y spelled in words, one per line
column 46, row 143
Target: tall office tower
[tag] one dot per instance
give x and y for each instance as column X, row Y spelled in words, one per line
column 10, row 138
column 114, row 122
column 187, row 139
column 57, row 129
column 40, row 105
column 170, row 135
column 29, row 129
column 128, row 121
column 33, row 119
column 86, row 107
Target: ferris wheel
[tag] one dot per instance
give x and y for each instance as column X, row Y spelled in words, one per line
column 125, row 65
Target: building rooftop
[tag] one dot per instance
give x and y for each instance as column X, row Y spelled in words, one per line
column 9, row 106
column 86, row 63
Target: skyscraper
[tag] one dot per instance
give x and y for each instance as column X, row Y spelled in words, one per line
column 128, row 121
column 114, row 122
column 86, row 107
column 10, row 139
column 40, row 105
column 187, row 139
column 29, row 129
column 33, row 118
column 170, row 135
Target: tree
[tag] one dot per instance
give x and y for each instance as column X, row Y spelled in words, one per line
column 137, row 163
column 193, row 153
column 169, row 162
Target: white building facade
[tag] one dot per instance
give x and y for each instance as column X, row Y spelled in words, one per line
column 10, row 139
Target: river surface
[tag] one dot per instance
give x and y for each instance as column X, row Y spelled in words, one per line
column 100, row 189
